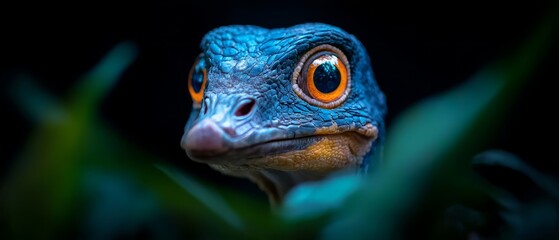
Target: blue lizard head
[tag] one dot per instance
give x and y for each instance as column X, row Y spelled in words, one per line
column 275, row 105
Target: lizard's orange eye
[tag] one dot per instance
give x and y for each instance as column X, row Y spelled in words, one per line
column 197, row 80
column 326, row 78
column 322, row 77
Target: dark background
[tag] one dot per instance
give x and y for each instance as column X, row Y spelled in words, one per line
column 416, row 51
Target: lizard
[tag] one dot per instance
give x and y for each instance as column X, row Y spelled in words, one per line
column 284, row 106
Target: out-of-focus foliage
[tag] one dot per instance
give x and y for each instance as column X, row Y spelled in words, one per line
column 78, row 178
column 426, row 185
column 428, row 158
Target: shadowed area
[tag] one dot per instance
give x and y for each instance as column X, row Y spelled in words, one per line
column 93, row 139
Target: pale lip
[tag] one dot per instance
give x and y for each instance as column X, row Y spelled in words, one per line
column 206, row 142
column 255, row 151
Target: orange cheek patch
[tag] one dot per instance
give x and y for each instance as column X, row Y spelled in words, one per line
column 332, row 152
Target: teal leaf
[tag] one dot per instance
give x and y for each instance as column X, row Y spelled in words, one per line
column 429, row 148
column 313, row 199
column 211, row 199
column 35, row 103
column 511, row 161
column 89, row 91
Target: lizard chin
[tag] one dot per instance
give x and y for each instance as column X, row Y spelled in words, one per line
column 278, row 166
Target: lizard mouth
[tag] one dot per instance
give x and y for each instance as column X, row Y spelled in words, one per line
column 208, row 143
column 256, row 151
column 285, row 147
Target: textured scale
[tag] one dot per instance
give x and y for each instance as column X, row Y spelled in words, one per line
column 249, row 62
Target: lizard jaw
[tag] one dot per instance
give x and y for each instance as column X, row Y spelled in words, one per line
column 317, row 153
column 321, row 150
column 255, row 151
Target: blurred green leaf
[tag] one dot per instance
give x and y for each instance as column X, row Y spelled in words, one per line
column 77, row 177
column 313, row 199
column 530, row 205
column 430, row 146
column 74, row 167
column 508, row 160
column 211, row 199
column 37, row 105
column 43, row 188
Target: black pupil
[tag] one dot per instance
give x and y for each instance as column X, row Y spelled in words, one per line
column 327, row 77
column 198, row 77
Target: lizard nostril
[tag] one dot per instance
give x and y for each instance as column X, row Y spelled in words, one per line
column 204, row 108
column 245, row 108
column 205, row 105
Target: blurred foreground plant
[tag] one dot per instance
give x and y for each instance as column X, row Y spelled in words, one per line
column 78, row 178
column 426, row 186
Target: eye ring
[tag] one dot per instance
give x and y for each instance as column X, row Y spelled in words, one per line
column 309, row 89
column 196, row 87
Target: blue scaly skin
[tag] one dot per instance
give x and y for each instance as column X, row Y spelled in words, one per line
column 252, row 121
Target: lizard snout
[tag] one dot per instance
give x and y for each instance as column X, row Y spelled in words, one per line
column 221, row 126
column 205, row 138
